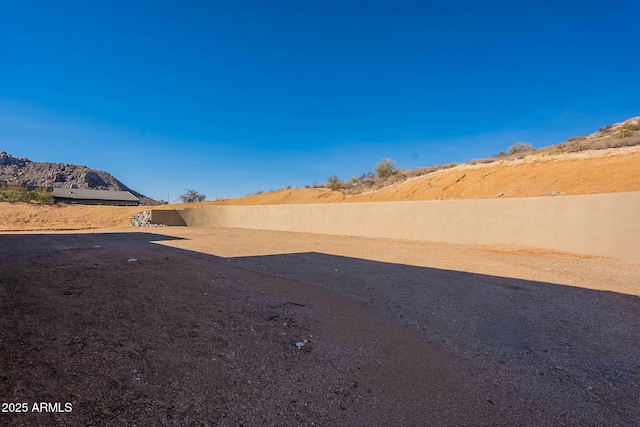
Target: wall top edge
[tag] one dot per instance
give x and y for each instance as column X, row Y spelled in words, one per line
column 415, row 202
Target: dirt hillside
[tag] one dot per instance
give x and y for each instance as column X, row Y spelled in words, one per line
column 27, row 217
column 587, row 172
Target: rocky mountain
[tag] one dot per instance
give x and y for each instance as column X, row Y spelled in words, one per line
column 22, row 171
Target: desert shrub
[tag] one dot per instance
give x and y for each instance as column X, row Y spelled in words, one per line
column 627, row 141
column 192, row 196
column 16, row 193
column 573, row 145
column 366, row 176
column 367, row 179
column 628, row 129
column 12, row 193
column 576, row 138
column 482, row 161
column 429, row 169
column 334, row 183
column 520, row 147
column 40, row 195
column 385, row 168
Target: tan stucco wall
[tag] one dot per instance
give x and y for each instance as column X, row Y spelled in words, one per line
column 598, row 224
column 432, row 220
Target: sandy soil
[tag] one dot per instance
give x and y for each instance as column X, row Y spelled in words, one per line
column 25, row 216
column 201, row 329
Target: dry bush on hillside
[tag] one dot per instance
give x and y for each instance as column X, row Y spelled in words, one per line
column 428, row 169
column 628, row 129
column 520, row 147
column 576, row 144
column 16, row 193
column 483, row 161
column 371, row 182
column 334, row 183
column 625, row 134
column 385, row 168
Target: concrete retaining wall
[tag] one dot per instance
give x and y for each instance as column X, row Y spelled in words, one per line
column 598, row 224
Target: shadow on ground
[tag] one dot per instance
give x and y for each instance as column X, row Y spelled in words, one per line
column 21, row 245
column 182, row 338
column 570, row 350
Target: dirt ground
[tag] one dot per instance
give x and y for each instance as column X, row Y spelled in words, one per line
column 26, row 216
column 204, row 327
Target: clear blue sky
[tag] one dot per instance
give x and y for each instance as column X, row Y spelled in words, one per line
column 241, row 96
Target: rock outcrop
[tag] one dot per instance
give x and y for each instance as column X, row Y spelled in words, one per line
column 22, row 171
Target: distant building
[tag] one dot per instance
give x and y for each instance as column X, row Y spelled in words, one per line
column 74, row 196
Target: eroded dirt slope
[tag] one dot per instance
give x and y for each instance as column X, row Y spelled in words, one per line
column 603, row 171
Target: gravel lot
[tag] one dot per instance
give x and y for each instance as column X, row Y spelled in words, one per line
column 186, row 326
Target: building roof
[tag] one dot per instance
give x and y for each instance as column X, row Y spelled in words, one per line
column 74, row 193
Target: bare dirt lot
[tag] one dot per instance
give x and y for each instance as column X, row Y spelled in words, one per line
column 186, row 326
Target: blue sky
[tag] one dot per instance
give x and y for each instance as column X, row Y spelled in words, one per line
column 237, row 97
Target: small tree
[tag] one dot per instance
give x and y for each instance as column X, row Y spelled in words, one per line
column 192, row 196
column 385, row 168
column 520, row 147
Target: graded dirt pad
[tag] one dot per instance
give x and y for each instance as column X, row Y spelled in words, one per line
column 180, row 326
column 29, row 217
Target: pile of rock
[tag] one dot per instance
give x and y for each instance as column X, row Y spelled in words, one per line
column 143, row 219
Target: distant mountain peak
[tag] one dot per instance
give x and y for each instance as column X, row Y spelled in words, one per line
column 7, row 159
column 22, row 171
